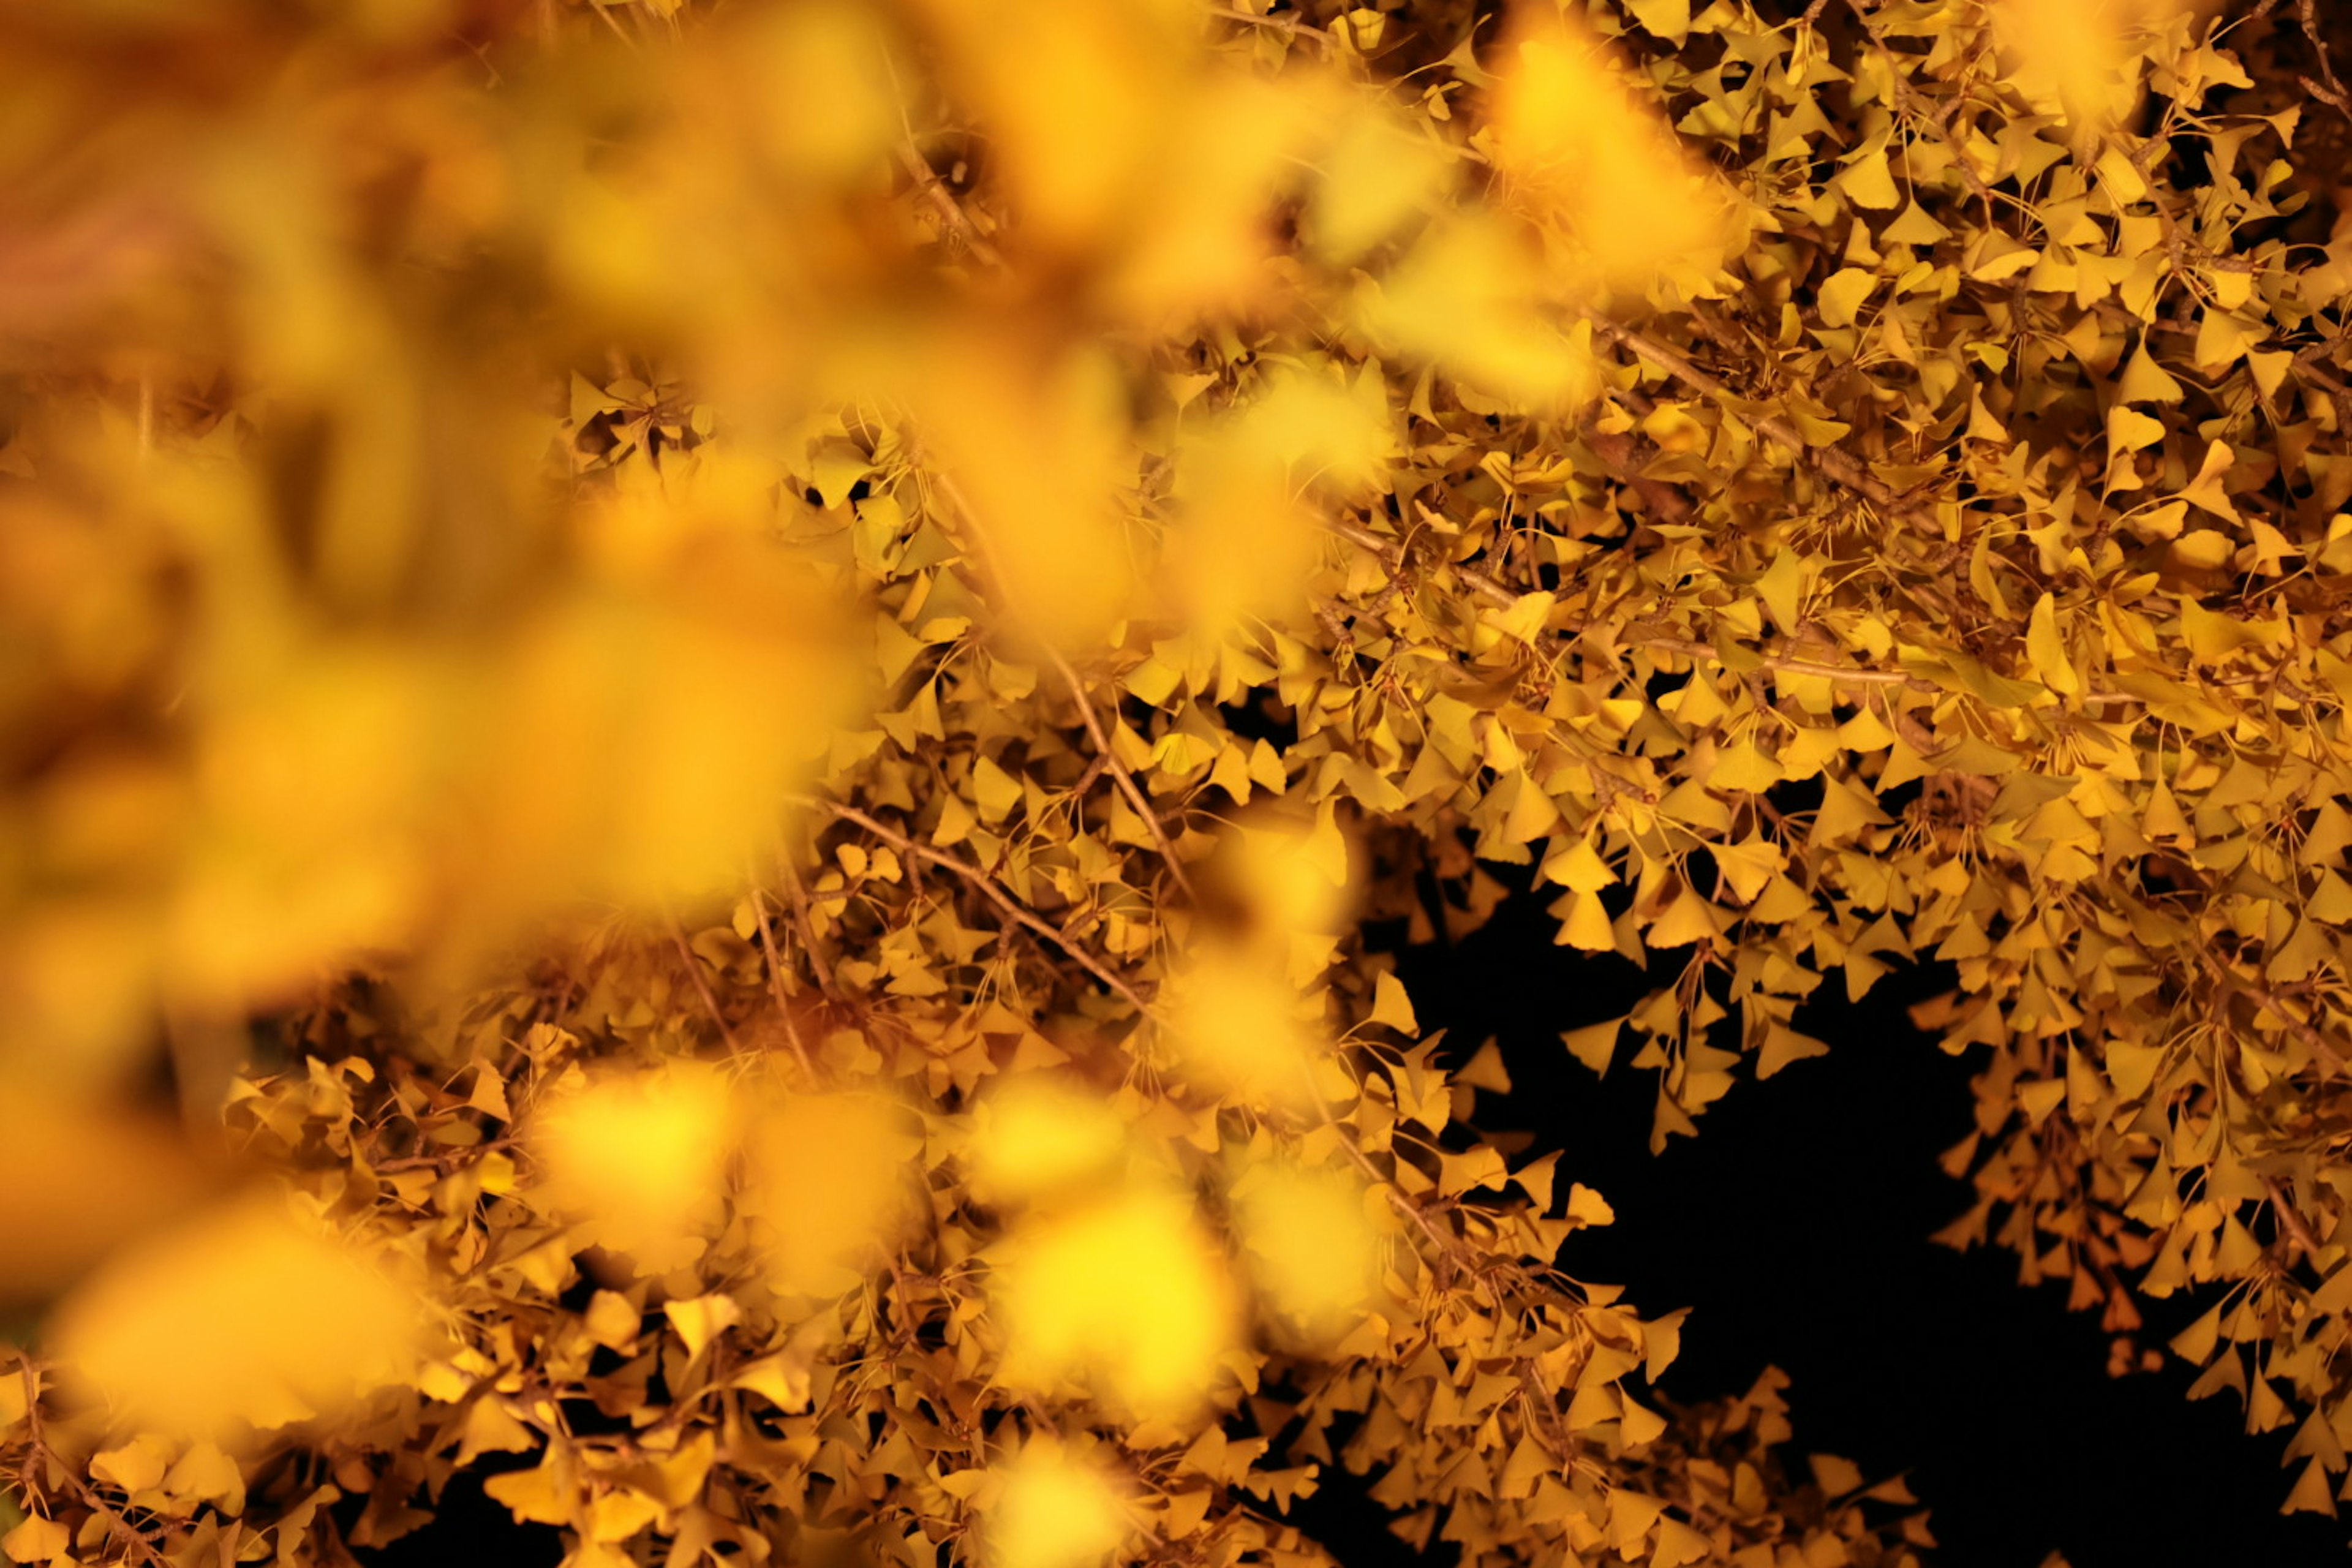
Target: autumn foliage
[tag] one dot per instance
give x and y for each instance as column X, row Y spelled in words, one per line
column 728, row 683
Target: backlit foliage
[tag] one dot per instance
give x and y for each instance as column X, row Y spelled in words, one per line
column 779, row 646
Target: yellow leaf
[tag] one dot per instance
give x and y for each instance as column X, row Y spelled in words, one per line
column 1842, row 293
column 2128, row 430
column 1587, row 925
column 1782, row 1046
column 2046, row 651
column 827, row 1187
column 1579, row 868
column 1743, row 767
column 2221, row 337
column 1688, row 918
column 2145, row 381
column 639, row 1158
column 1312, row 1250
column 248, row 1312
column 1057, row 1508
column 996, row 790
column 620, row 1514
column 2211, row 636
column 1594, row 1044
column 2314, row 1492
column 543, row 1495
column 1679, row 1544
column 1748, row 867
column 2205, row 490
column 135, row 1467
column 1245, row 1026
column 491, row 1427
column 1867, row 183
column 1595, row 166
column 779, row 1379
column 1391, row 1006
column 2195, row 1343
column 36, row 1540
column 1036, row 1134
column 1124, row 1296
column 1836, row 1477
column 701, row 1319
column 1589, row 1207
column 207, row 1474
column 612, row 1320
column 1375, row 177
column 1669, row 19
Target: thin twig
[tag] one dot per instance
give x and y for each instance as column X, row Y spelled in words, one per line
column 806, row 924
column 1908, row 102
column 1289, row 26
column 1501, row 594
column 39, row 1457
column 1118, row 769
column 776, row 973
column 1830, row 461
column 1392, row 553
column 694, row 968
column 995, row 894
column 2333, row 92
column 2302, row 1029
column 2291, row 1220
column 1120, row 774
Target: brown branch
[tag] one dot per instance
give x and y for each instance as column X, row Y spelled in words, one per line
column 776, row 973
column 2292, row 1221
column 1908, row 101
column 2301, row 1028
column 1839, row 672
column 1501, row 594
column 1012, row 907
column 1077, row 689
column 694, row 968
column 1830, row 461
column 805, row 923
column 38, row 1456
column 2333, row 92
column 1120, row 774
column 1391, row 553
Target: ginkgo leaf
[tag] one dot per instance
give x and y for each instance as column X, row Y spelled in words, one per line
column 1594, row 1044
column 823, row 827
column 1391, row 1006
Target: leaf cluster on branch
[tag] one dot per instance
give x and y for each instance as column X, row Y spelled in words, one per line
column 735, row 678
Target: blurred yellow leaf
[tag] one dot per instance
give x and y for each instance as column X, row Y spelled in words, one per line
column 1124, row 1296
column 1055, row 1509
column 246, row 1315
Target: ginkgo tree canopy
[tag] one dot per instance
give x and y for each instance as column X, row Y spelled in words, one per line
column 734, row 678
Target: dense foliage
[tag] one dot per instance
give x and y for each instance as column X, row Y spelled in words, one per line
column 737, row 675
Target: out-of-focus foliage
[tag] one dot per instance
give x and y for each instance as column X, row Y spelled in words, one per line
column 779, row 645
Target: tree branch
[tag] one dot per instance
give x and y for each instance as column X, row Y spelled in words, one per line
column 1012, row 906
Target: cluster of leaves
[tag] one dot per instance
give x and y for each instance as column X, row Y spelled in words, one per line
column 985, row 540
